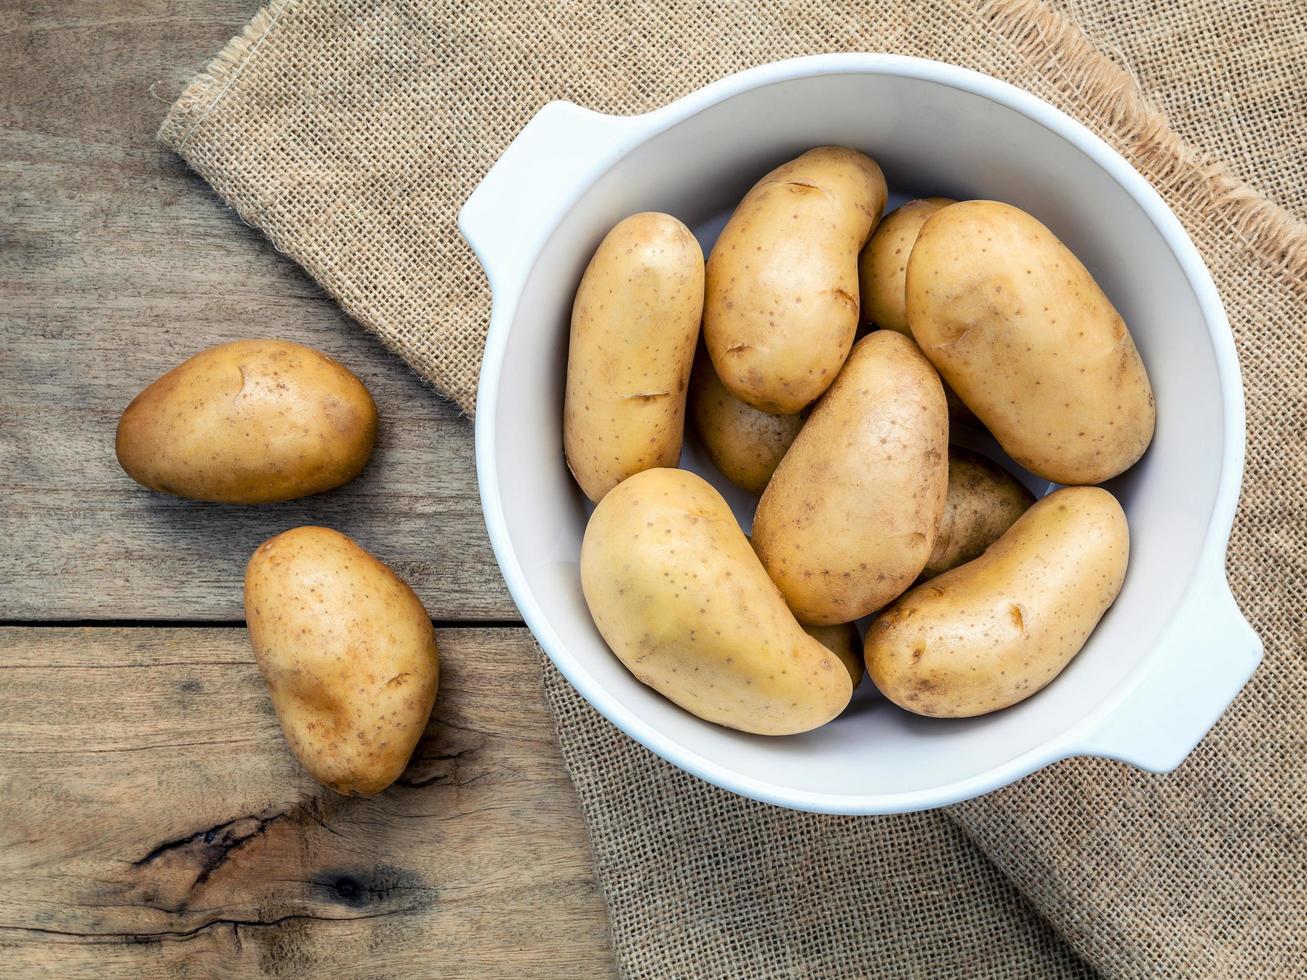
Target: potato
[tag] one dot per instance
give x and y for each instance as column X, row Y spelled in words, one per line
column 348, row 653
column 680, row 597
column 1020, row 330
column 883, row 268
column 851, row 514
column 249, row 422
column 883, row 264
column 994, row 631
column 842, row 640
column 983, row 501
column 635, row 324
column 745, row 444
column 781, row 307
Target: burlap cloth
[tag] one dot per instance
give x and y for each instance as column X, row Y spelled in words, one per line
column 350, row 132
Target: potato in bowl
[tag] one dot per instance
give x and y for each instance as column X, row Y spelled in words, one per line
column 975, row 141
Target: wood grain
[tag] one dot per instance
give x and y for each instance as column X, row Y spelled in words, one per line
column 152, row 822
column 116, row 263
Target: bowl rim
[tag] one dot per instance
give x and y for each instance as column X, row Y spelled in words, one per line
column 641, row 129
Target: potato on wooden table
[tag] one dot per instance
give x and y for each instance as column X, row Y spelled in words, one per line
column 994, row 631
column 745, row 444
column 851, row 514
column 983, row 501
column 781, row 307
column 349, row 655
column 249, row 422
column 635, row 325
column 1020, row 330
column 678, row 594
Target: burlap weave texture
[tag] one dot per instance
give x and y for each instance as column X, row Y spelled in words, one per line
column 351, row 131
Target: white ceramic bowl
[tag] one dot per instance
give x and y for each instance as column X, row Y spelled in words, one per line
column 1168, row 657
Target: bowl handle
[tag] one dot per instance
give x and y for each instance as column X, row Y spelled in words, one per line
column 534, row 183
column 1206, row 658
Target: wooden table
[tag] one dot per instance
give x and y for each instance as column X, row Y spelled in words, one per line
column 152, row 821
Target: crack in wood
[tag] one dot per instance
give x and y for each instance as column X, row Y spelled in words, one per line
column 186, row 863
column 313, row 809
column 419, row 782
column 448, row 756
column 441, row 779
column 141, row 748
column 212, row 847
column 166, row 935
column 133, row 666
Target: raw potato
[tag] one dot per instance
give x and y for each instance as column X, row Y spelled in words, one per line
column 744, row 443
column 781, row 307
column 983, row 501
column 883, row 264
column 851, row 514
column 249, row 422
column 994, row 631
column 843, row 641
column 840, row 639
column 635, row 324
column 348, row 653
column 680, row 597
column 1020, row 330
column 882, row 274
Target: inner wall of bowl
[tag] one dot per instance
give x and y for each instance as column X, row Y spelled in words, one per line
column 930, row 139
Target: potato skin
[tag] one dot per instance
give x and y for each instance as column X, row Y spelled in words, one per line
column 851, row 514
column 1020, row 330
column 883, row 264
column 746, row 445
column 681, row 599
column 983, row 501
column 994, row 631
column 348, row 653
column 781, row 307
column 842, row 640
column 635, row 324
column 249, row 422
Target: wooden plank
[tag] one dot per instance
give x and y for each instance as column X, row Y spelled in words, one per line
column 153, row 823
column 116, row 263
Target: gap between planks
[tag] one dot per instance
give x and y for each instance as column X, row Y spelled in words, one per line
column 462, row 624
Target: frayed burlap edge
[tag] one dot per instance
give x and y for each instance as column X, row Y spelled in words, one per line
column 1077, row 69
column 207, row 88
column 1049, row 40
column 200, row 98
